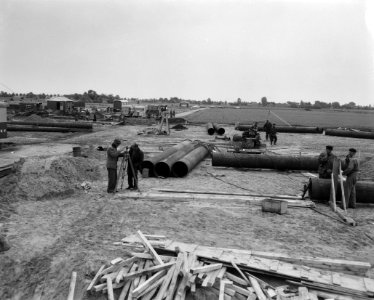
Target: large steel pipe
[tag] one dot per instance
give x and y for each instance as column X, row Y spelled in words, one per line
column 219, row 129
column 320, row 190
column 54, row 124
column 210, row 128
column 163, row 167
column 289, row 129
column 183, row 166
column 42, row 129
column 150, row 162
column 278, row 162
column 349, row 133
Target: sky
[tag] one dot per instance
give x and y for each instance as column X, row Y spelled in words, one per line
column 193, row 49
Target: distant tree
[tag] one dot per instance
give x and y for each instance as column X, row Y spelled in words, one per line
column 239, row 101
column 335, row 104
column 209, row 101
column 264, row 101
column 293, row 104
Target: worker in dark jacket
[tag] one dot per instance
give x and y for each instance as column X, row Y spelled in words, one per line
column 326, row 161
column 273, row 135
column 136, row 157
column 267, row 129
column 350, row 169
column 111, row 165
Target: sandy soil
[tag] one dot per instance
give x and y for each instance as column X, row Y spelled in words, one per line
column 55, row 227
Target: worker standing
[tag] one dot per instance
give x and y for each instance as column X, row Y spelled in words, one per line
column 350, row 169
column 326, row 161
column 273, row 135
column 111, row 165
column 267, row 129
column 136, row 157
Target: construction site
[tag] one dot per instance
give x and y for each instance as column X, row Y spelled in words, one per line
column 215, row 216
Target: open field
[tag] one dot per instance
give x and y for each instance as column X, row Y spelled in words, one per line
column 320, row 118
column 54, row 227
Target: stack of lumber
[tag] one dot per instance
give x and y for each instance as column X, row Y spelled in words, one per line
column 160, row 268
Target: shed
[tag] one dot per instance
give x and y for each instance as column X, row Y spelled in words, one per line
column 60, row 103
column 3, row 120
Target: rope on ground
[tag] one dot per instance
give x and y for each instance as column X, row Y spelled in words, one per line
column 233, row 184
column 327, row 215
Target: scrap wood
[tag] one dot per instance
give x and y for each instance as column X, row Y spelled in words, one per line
column 127, row 286
column 206, row 269
column 240, row 272
column 174, row 279
column 110, row 288
column 95, row 279
column 142, row 287
column 152, row 251
column 165, row 284
column 72, row 286
column 148, row 271
column 154, row 287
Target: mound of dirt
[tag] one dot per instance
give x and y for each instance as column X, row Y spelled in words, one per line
column 34, row 118
column 41, row 178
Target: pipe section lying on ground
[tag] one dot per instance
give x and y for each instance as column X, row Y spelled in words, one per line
column 183, row 166
column 42, row 129
column 210, row 128
column 320, row 190
column 278, row 162
column 150, row 162
column 163, row 167
column 54, row 124
column 350, row 133
column 220, row 130
column 289, row 129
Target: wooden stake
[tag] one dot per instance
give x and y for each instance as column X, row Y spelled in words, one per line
column 147, row 244
column 72, row 286
column 332, row 193
column 342, row 187
column 95, row 279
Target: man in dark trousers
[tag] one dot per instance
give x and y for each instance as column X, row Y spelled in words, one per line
column 111, row 165
column 136, row 157
column 273, row 135
column 350, row 169
column 267, row 129
column 326, row 161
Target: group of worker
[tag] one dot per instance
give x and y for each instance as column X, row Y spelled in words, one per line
column 134, row 158
column 350, row 168
column 271, row 132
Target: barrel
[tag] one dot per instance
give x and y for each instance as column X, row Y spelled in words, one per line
column 77, row 151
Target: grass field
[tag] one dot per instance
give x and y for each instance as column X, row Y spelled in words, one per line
column 320, row 118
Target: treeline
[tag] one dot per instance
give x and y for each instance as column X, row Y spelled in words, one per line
column 93, row 97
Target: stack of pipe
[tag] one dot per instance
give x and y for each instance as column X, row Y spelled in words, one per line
column 289, row 129
column 214, row 127
column 320, row 190
column 350, row 133
column 48, row 126
column 278, row 162
column 177, row 161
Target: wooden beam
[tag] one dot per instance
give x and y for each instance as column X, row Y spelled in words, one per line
column 206, row 269
column 240, row 272
column 95, row 279
column 165, row 284
column 72, row 286
column 260, row 294
column 110, row 288
column 147, row 244
column 151, row 270
column 174, row 279
column 344, row 217
column 142, row 287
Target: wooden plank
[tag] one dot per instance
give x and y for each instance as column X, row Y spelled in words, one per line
column 95, row 279
column 222, row 290
column 119, row 265
column 142, row 287
column 150, row 248
column 151, row 270
column 369, row 284
column 72, row 286
column 208, row 278
column 109, row 285
column 241, row 290
column 336, row 279
column 236, row 279
column 213, row 277
column 240, row 272
column 344, row 217
column 333, row 193
column 152, row 287
column 178, row 266
column 147, row 265
column 342, row 187
column 165, row 284
column 303, row 293
column 120, row 274
column 127, row 286
column 137, row 279
column 116, row 261
column 260, row 294
column 221, row 273
column 155, row 237
column 274, row 265
column 206, row 269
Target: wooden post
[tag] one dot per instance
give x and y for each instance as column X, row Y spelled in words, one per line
column 333, row 193
column 72, row 286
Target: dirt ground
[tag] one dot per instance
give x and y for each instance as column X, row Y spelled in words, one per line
column 55, row 227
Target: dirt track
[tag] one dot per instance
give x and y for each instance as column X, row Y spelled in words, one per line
column 52, row 235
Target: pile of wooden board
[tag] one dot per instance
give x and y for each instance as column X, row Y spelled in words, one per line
column 159, row 268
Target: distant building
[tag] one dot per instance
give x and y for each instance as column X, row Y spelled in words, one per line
column 184, row 104
column 62, row 104
column 3, row 120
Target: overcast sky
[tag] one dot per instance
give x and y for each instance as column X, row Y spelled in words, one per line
column 193, row 49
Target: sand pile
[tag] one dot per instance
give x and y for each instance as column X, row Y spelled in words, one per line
column 40, row 178
column 179, row 127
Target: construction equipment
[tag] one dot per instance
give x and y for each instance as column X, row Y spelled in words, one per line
column 164, row 119
column 125, row 163
column 250, row 139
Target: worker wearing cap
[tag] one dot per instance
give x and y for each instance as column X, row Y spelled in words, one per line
column 136, row 157
column 267, row 128
column 350, row 169
column 111, row 165
column 326, row 161
column 273, row 135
